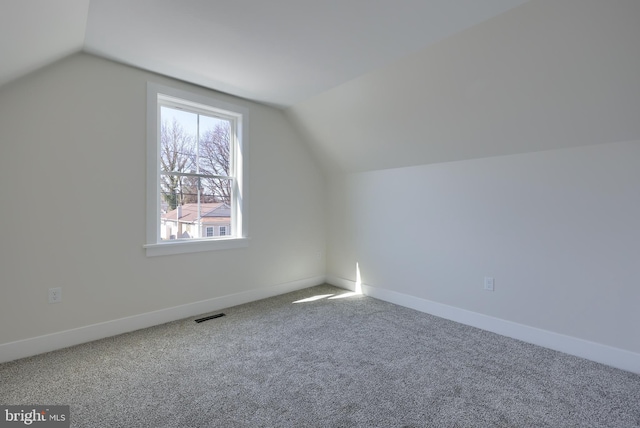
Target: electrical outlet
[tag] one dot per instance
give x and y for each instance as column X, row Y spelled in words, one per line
column 55, row 295
column 488, row 283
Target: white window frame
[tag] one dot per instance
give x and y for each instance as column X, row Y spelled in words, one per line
column 220, row 230
column 206, row 231
column 239, row 232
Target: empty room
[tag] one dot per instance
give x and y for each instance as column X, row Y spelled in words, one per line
column 414, row 213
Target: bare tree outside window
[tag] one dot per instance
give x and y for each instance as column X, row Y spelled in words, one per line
column 215, row 159
column 176, row 155
column 182, row 152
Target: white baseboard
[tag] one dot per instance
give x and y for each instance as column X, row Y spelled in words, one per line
column 50, row 342
column 341, row 282
column 614, row 357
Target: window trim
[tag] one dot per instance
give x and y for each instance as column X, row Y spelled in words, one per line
column 239, row 227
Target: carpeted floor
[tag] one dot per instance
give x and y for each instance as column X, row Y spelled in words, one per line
column 333, row 361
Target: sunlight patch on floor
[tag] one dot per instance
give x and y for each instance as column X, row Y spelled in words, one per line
column 343, row 295
column 313, row 298
column 356, row 292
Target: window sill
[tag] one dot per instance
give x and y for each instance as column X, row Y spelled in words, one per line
column 194, row 246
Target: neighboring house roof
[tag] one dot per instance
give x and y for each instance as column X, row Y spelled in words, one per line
column 223, row 210
column 218, row 212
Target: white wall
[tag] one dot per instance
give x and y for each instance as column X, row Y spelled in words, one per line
column 72, row 195
column 558, row 230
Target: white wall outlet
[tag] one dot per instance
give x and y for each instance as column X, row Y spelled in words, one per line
column 55, row 295
column 488, row 283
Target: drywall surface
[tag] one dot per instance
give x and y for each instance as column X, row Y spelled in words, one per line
column 73, row 210
column 548, row 74
column 558, row 230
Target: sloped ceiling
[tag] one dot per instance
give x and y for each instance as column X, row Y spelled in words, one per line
column 279, row 52
column 546, row 75
column 34, row 33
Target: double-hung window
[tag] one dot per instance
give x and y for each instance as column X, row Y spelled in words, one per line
column 195, row 153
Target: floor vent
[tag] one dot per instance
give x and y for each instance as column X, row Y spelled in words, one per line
column 209, row 317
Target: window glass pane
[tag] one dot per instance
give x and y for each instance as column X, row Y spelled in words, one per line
column 190, row 211
column 176, row 189
column 178, row 140
column 177, row 210
column 217, row 189
column 214, row 212
column 215, row 138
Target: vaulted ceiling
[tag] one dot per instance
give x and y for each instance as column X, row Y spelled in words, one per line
column 279, row 52
column 373, row 84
